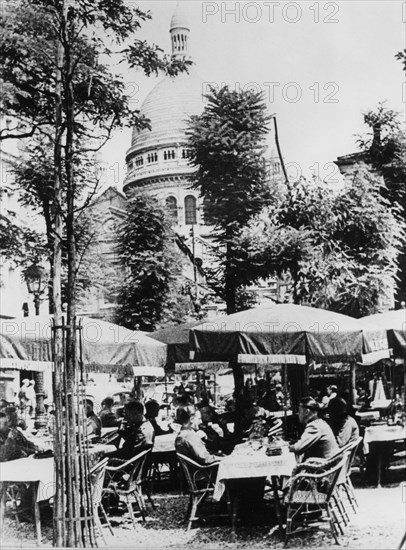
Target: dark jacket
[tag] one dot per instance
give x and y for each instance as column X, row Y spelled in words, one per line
column 137, row 438
column 14, row 445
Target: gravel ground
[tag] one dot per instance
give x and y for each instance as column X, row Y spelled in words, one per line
column 380, row 523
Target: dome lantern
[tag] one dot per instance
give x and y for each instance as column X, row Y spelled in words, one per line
column 180, row 33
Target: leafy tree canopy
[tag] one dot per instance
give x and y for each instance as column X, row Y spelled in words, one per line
column 227, row 140
column 30, row 32
column 340, row 247
column 384, row 149
column 150, row 294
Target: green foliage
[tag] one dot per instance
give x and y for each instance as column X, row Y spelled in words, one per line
column 33, row 175
column 227, row 140
column 339, row 246
column 150, row 294
column 384, row 148
column 30, row 32
column 18, row 244
column 93, row 100
column 402, row 58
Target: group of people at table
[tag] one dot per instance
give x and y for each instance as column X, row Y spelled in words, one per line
column 202, row 435
column 198, row 431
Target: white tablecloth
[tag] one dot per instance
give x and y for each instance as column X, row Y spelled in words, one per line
column 30, row 469
column 382, row 433
column 244, row 462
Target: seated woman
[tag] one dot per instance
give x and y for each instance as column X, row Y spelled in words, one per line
column 345, row 427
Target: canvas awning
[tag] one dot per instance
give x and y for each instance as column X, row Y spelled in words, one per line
column 177, row 340
column 394, row 323
column 288, row 333
column 106, row 347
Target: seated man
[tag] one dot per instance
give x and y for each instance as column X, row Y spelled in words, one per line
column 188, row 442
column 13, row 444
column 93, row 422
column 137, row 432
column 317, row 440
column 151, row 414
column 107, row 416
column 252, row 413
column 344, row 426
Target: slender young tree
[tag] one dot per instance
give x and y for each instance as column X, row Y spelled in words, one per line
column 150, row 293
column 55, row 84
column 227, row 140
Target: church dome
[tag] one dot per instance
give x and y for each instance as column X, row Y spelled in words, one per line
column 168, row 107
column 179, row 18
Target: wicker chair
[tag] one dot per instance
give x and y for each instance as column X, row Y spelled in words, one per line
column 312, row 493
column 200, row 481
column 125, row 480
column 345, row 485
column 96, row 477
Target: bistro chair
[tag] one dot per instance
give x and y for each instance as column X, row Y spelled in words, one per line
column 125, row 480
column 96, row 477
column 276, row 428
column 311, row 494
column 200, row 482
column 163, row 467
column 345, row 484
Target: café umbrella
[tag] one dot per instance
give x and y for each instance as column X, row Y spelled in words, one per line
column 288, row 334
column 177, row 340
column 394, row 322
column 26, row 343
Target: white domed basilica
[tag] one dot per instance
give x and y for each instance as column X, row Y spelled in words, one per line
column 157, row 161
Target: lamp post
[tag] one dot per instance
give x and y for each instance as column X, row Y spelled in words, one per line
column 36, row 278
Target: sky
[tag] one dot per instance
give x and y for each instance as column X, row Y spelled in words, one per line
column 320, row 65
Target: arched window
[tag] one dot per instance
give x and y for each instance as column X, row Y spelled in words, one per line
column 172, row 208
column 190, row 210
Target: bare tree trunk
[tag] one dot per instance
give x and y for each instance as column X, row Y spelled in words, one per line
column 229, row 282
column 59, row 454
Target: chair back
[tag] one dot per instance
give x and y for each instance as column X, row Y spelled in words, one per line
column 351, row 449
column 138, row 467
column 316, row 487
column 198, row 477
column 96, row 478
column 276, row 427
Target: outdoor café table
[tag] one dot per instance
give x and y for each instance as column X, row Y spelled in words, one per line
column 245, row 463
column 379, row 435
column 367, row 415
column 39, row 474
